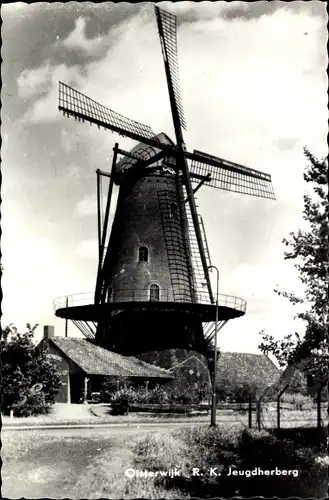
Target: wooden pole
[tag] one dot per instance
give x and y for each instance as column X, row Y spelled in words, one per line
column 250, row 413
column 66, row 320
column 258, row 406
column 85, row 392
column 214, row 388
column 278, row 412
column 68, row 387
column 99, row 222
column 318, row 407
column 278, row 407
column 103, row 232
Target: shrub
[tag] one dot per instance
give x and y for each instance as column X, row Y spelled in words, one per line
column 159, row 394
column 239, row 392
column 264, row 450
column 24, row 366
column 299, row 401
column 35, row 405
column 112, row 384
column 120, row 401
column 297, row 384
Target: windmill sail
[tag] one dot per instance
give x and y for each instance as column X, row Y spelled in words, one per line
column 230, row 176
column 201, row 290
column 167, row 26
column 72, row 102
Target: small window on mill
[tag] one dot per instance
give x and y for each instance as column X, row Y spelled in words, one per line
column 154, row 293
column 143, row 254
column 174, row 214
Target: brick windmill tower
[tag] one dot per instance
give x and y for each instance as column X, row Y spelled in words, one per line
column 153, row 289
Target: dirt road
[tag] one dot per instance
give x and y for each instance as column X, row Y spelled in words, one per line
column 55, row 462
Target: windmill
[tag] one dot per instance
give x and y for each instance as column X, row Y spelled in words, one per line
column 153, row 289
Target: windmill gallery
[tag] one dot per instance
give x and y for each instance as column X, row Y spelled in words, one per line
column 153, row 289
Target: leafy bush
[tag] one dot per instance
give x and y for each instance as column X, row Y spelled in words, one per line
column 36, row 404
column 111, row 385
column 297, row 384
column 261, row 449
column 159, row 394
column 24, row 366
column 299, row 401
column 232, row 391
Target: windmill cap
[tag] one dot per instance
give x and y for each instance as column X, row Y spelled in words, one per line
column 144, row 151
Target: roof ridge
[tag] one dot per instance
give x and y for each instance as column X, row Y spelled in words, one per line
column 241, row 352
column 141, row 361
column 94, row 359
column 186, row 359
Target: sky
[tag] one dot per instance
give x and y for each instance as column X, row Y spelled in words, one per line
column 254, row 90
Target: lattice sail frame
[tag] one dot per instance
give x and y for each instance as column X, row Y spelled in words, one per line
column 167, row 25
column 72, row 102
column 230, row 176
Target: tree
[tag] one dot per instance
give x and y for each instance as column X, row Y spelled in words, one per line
column 308, row 249
column 29, row 381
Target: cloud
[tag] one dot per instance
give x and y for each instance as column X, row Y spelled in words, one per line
column 45, row 108
column 32, row 82
column 77, row 39
column 67, row 141
column 88, row 248
column 238, row 65
column 88, row 206
column 286, row 143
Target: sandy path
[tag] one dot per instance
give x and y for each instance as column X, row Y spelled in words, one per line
column 62, row 466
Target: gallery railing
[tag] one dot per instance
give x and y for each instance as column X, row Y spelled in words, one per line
column 144, row 295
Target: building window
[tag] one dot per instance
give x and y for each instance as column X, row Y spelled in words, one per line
column 143, row 254
column 154, row 293
column 173, row 210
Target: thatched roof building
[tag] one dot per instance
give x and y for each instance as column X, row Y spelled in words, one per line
column 234, row 369
column 242, row 367
column 82, row 366
column 95, row 360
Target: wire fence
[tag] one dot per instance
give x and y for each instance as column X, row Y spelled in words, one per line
column 250, row 414
column 278, row 415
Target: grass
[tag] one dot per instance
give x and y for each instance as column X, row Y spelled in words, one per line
column 203, row 448
column 74, row 467
column 107, row 479
column 97, row 414
column 94, row 467
column 47, row 466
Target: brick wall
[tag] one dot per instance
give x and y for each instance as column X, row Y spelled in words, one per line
column 139, row 222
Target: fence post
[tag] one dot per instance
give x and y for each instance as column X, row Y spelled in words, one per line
column 278, row 408
column 318, row 407
column 258, row 408
column 250, row 413
column 66, row 320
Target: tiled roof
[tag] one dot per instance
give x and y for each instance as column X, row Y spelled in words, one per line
column 251, row 368
column 95, row 360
